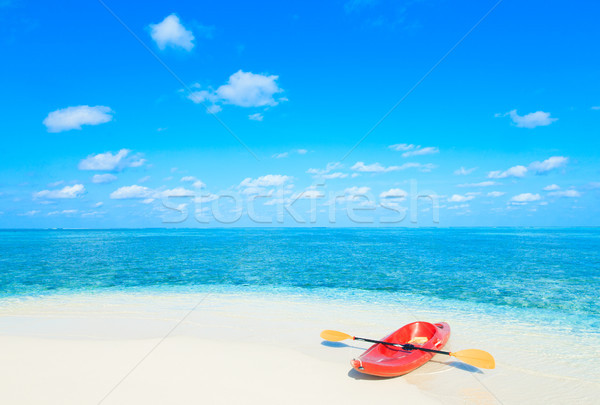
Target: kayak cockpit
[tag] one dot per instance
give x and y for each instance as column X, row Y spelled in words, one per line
column 416, row 333
column 390, row 361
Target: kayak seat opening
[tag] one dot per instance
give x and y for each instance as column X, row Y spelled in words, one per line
column 418, row 340
column 417, row 333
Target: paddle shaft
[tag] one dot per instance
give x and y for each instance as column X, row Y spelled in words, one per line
column 406, row 346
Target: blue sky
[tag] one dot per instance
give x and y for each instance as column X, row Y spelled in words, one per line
column 238, row 114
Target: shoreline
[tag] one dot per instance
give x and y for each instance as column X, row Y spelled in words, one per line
column 565, row 321
column 237, row 328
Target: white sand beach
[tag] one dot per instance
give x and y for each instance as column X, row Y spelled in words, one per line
column 249, row 348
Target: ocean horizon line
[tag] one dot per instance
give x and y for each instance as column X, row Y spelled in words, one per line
column 313, row 227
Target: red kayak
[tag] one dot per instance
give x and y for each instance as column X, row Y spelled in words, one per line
column 391, row 361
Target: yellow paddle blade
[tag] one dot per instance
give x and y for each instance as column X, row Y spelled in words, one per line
column 474, row 357
column 334, row 335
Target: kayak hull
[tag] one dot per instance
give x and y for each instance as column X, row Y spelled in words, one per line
column 392, row 361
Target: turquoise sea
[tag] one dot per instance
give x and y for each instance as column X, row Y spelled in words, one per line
column 552, row 273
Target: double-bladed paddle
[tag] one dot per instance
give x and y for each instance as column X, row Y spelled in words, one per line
column 474, row 357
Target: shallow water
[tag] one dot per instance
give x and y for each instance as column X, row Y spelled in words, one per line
column 552, row 269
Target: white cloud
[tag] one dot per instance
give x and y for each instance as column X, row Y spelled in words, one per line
column 401, row 147
column 246, row 89
column 92, row 214
column 463, row 172
column 460, row 198
column 378, row 168
column 170, row 32
column 373, row 168
column 427, row 167
column 175, row 192
column 394, row 193
column 531, row 120
column 326, row 173
column 526, row 197
column 565, row 193
column 552, row 187
column 458, row 207
column 215, row 108
column 63, row 212
column 551, row 163
column 330, row 166
column 429, row 150
column 334, row 175
column 104, row 161
column 243, row 89
column 98, row 204
column 104, row 178
column 200, row 96
column 354, row 191
column 256, row 117
column 270, row 180
column 108, row 162
column 287, row 154
column 65, row 192
column 133, row 191
column 69, row 118
column 413, row 150
column 480, row 184
column 195, row 182
column 495, row 194
column 515, row 171
column 29, row 213
column 256, row 190
column 148, row 194
column 137, row 162
column 547, row 165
